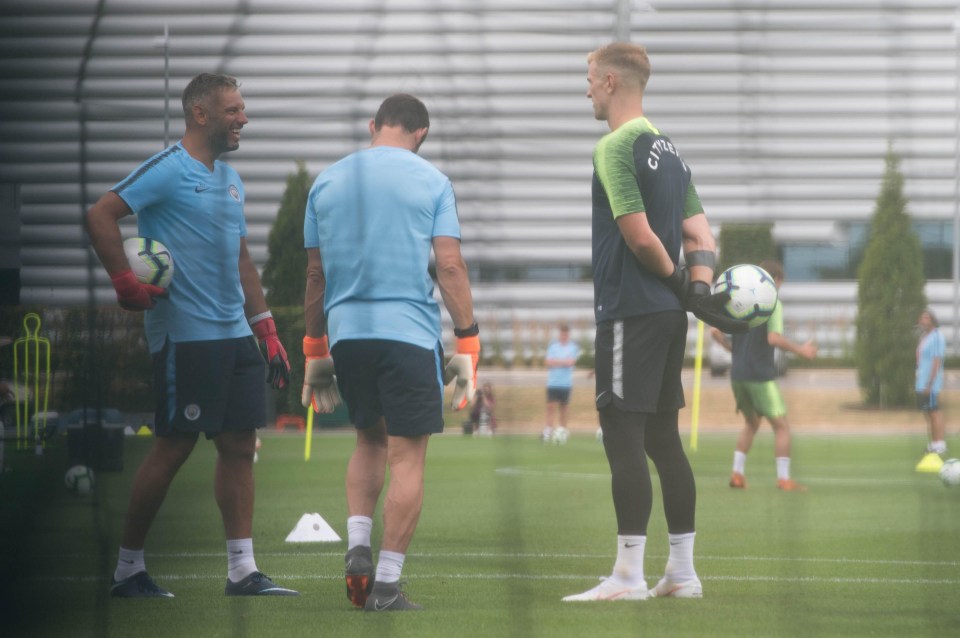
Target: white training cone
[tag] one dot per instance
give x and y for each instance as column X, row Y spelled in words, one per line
column 311, row 528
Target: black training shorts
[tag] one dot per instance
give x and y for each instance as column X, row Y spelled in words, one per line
column 209, row 387
column 398, row 381
column 558, row 395
column 639, row 360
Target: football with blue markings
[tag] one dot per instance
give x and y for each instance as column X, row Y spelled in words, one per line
column 753, row 293
column 150, row 261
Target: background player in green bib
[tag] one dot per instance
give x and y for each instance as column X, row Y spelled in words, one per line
column 645, row 211
column 753, row 377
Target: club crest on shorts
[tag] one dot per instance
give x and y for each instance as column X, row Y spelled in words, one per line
column 234, row 192
column 192, row 412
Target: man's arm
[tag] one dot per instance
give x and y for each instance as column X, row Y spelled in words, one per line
column 319, row 378
column 559, row 363
column 104, row 229
column 254, row 303
column 721, row 338
column 934, row 368
column 644, row 244
column 453, row 281
column 314, row 318
column 697, row 236
column 261, row 320
column 807, row 350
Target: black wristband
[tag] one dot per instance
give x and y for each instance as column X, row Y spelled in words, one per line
column 472, row 331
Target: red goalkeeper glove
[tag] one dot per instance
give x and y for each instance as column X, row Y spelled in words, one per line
column 463, row 368
column 278, row 366
column 133, row 295
column 319, row 380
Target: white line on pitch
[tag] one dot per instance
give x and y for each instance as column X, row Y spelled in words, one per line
column 459, row 576
column 564, row 555
column 824, row 480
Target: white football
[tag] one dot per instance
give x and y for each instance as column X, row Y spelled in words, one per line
column 79, row 479
column 950, row 472
column 753, row 293
column 150, row 261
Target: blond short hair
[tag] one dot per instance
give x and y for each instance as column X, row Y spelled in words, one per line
column 630, row 60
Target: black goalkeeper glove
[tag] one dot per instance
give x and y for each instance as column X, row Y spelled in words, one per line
column 696, row 297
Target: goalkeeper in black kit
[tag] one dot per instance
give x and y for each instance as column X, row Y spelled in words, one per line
column 645, row 210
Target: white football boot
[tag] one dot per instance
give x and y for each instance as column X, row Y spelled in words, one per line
column 611, row 589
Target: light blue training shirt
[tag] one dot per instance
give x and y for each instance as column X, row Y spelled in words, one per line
column 932, row 346
column 198, row 216
column 373, row 215
column 561, row 376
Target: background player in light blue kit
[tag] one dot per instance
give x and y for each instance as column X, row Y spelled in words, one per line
column 931, row 351
column 561, row 358
column 208, row 369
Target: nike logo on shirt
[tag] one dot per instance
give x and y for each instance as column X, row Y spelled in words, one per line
column 202, row 187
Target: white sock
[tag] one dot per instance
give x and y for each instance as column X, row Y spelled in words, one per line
column 739, row 461
column 680, row 562
column 129, row 562
column 240, row 562
column 783, row 467
column 629, row 566
column 939, row 447
column 547, row 432
column 358, row 531
column 389, row 566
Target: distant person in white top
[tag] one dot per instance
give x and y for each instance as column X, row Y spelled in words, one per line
column 562, row 355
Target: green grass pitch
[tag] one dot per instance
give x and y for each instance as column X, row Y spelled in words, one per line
column 509, row 527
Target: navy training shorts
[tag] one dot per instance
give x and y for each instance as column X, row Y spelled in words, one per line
column 398, row 381
column 210, row 387
column 639, row 360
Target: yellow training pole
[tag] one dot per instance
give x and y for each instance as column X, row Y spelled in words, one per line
column 697, row 367
column 306, row 448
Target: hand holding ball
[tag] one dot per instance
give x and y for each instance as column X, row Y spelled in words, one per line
column 151, row 271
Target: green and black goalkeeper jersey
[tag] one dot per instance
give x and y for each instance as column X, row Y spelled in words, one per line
column 636, row 169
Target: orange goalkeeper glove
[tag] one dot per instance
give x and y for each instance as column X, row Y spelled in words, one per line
column 319, row 381
column 463, row 368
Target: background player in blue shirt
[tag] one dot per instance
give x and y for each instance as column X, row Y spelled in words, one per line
column 931, row 351
column 372, row 220
column 561, row 358
column 207, row 366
